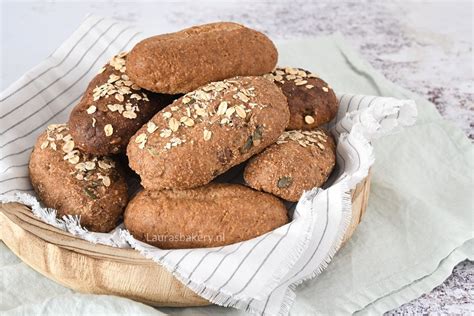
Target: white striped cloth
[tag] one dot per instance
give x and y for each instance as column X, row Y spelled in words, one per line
column 258, row 275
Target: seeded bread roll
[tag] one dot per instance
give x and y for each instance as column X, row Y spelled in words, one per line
column 75, row 183
column 183, row 61
column 298, row 162
column 208, row 131
column 209, row 216
column 112, row 109
column 312, row 102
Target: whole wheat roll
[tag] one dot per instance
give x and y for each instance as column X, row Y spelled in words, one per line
column 209, row 216
column 208, row 131
column 183, row 61
column 76, row 183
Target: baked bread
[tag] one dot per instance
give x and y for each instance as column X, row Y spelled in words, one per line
column 299, row 161
column 312, row 101
column 112, row 109
column 208, row 131
column 75, row 183
column 183, row 61
column 208, row 216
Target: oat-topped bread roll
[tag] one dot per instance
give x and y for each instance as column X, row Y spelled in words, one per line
column 312, row 101
column 183, row 61
column 208, row 131
column 215, row 214
column 112, row 109
column 75, row 183
column 298, row 162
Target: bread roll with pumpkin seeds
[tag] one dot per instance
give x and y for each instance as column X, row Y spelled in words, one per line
column 299, row 161
column 312, row 101
column 217, row 214
column 75, row 183
column 183, row 61
column 208, row 131
column 112, row 109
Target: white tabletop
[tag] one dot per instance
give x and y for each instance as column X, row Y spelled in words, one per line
column 425, row 47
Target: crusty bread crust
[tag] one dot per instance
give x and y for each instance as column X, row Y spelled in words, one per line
column 208, row 216
column 74, row 183
column 298, row 162
column 208, row 131
column 183, row 61
column 112, row 99
column 311, row 100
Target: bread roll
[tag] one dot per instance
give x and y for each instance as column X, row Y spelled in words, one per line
column 209, row 216
column 75, row 183
column 208, row 131
column 298, row 162
column 311, row 100
column 183, row 61
column 112, row 109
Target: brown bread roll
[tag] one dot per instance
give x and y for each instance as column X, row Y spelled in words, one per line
column 209, row 216
column 312, row 101
column 299, row 161
column 183, row 61
column 75, row 183
column 112, row 109
column 208, row 131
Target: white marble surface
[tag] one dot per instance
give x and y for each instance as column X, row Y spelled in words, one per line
column 423, row 46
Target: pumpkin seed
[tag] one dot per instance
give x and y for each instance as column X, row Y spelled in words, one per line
column 90, row 193
column 284, row 182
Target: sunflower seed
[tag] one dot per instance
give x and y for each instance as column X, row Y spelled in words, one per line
column 141, row 138
column 109, row 130
column 106, row 181
column 68, row 146
column 151, row 127
column 240, row 112
column 74, row 160
column 91, row 109
column 189, row 122
column 173, row 124
column 119, row 97
column 89, row 165
column 44, row 144
column 221, row 110
column 309, row 119
column 300, row 83
column 207, row 135
column 129, row 114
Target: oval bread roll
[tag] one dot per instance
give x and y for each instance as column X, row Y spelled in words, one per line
column 75, row 183
column 208, row 131
column 208, row 216
column 311, row 100
column 112, row 109
column 298, row 162
column 183, row 61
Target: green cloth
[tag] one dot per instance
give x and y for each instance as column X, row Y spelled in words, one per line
column 419, row 218
column 417, row 227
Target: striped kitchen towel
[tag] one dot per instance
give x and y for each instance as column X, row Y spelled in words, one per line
column 258, row 275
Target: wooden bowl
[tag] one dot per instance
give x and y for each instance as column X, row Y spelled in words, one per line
column 98, row 269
